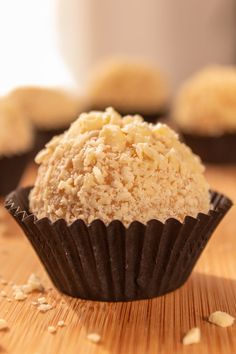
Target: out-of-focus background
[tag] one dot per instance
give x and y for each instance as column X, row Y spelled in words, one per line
column 57, row 42
column 29, row 45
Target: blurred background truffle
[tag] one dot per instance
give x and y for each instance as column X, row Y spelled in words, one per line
column 51, row 110
column 206, row 102
column 205, row 113
column 130, row 86
column 16, row 143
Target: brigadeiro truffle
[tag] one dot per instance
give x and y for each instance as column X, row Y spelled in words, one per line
column 120, row 209
column 205, row 112
column 113, row 168
column 131, row 87
column 51, row 110
column 16, row 143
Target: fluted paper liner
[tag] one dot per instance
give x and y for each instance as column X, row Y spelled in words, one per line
column 112, row 262
column 11, row 171
column 213, row 149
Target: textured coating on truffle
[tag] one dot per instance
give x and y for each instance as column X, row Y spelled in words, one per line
column 111, row 168
column 130, row 86
column 206, row 103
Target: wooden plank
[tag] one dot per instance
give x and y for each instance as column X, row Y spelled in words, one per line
column 152, row 326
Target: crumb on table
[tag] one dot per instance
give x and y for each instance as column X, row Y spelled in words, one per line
column 192, row 336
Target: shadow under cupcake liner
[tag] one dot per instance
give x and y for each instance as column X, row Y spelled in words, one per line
column 11, row 171
column 114, row 263
column 219, row 149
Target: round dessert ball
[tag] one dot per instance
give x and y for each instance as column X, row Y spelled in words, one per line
column 48, row 108
column 16, row 132
column 108, row 167
column 206, row 103
column 129, row 86
column 16, row 143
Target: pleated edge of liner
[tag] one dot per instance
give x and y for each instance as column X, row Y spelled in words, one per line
column 22, row 215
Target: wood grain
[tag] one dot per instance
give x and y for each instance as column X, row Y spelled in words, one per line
column 152, row 326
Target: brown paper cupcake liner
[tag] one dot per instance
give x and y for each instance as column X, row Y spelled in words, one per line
column 221, row 149
column 152, row 117
column 112, row 262
column 11, row 171
column 42, row 137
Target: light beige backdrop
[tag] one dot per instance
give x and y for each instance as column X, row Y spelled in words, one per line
column 179, row 36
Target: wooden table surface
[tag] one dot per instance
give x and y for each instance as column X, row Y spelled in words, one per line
column 151, row 326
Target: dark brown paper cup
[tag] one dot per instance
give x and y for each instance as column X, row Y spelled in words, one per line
column 42, row 137
column 221, row 149
column 11, row 171
column 114, row 263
